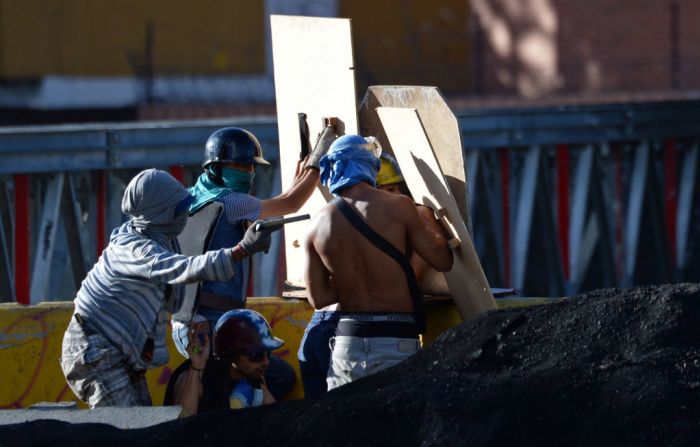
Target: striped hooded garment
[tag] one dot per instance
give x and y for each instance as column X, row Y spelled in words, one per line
column 124, row 297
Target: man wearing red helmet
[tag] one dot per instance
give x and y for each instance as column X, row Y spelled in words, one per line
column 234, row 377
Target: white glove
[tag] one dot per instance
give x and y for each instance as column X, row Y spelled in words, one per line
column 323, row 143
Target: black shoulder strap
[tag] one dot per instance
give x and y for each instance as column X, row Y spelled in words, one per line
column 386, row 246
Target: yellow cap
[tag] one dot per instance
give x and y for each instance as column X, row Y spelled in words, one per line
column 389, row 171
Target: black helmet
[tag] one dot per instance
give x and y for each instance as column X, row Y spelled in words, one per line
column 231, row 144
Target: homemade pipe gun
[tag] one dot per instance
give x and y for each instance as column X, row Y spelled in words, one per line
column 275, row 223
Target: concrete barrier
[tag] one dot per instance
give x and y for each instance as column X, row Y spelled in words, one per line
column 30, row 346
column 31, row 336
column 124, row 418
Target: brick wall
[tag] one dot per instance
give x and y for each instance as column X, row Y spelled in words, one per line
column 552, row 47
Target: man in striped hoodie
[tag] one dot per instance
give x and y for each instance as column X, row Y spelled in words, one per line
column 123, row 305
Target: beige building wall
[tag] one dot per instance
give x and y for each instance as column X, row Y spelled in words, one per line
column 485, row 48
column 411, row 42
column 110, row 38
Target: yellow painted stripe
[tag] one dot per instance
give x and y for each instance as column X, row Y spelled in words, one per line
column 31, row 336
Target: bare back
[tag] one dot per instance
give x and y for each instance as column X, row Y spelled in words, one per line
column 345, row 267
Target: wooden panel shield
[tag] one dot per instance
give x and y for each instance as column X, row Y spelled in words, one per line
column 314, row 74
column 440, row 124
column 466, row 280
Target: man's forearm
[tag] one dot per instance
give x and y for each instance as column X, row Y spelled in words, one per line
column 190, row 392
column 268, row 398
column 291, row 200
column 300, row 192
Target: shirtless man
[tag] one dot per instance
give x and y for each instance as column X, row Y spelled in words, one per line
column 377, row 328
column 390, row 179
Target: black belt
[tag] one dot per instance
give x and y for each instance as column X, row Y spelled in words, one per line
column 402, row 317
column 378, row 241
column 372, row 329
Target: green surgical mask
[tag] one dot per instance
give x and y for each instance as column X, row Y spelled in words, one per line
column 238, row 181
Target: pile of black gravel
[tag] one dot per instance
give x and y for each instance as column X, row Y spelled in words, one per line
column 610, row 367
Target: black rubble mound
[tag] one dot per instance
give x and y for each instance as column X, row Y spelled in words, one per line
column 610, row 367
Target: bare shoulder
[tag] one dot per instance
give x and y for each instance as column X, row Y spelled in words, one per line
column 317, row 222
column 425, row 212
column 322, row 215
column 404, row 200
column 402, row 205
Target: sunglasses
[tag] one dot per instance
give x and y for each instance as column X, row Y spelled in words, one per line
column 258, row 356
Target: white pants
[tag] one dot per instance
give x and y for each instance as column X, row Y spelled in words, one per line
column 356, row 357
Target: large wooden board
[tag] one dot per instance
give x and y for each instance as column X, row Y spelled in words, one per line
column 466, row 280
column 442, row 130
column 314, row 74
column 440, row 124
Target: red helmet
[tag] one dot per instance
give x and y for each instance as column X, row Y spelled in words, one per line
column 243, row 331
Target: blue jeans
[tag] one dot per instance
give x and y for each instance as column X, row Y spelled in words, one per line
column 355, row 357
column 315, row 353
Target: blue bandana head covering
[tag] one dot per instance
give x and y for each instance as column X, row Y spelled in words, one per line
column 349, row 161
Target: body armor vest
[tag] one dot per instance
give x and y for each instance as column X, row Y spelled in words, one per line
column 193, row 241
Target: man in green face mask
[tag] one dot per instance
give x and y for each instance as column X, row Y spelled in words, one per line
column 222, row 210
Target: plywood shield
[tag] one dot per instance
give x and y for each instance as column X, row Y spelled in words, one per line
column 314, row 74
column 440, row 124
column 466, row 280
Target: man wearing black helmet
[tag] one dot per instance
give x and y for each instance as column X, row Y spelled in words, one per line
column 222, row 210
column 234, row 377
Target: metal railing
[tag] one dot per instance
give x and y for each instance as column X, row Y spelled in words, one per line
column 573, row 198
column 562, row 199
